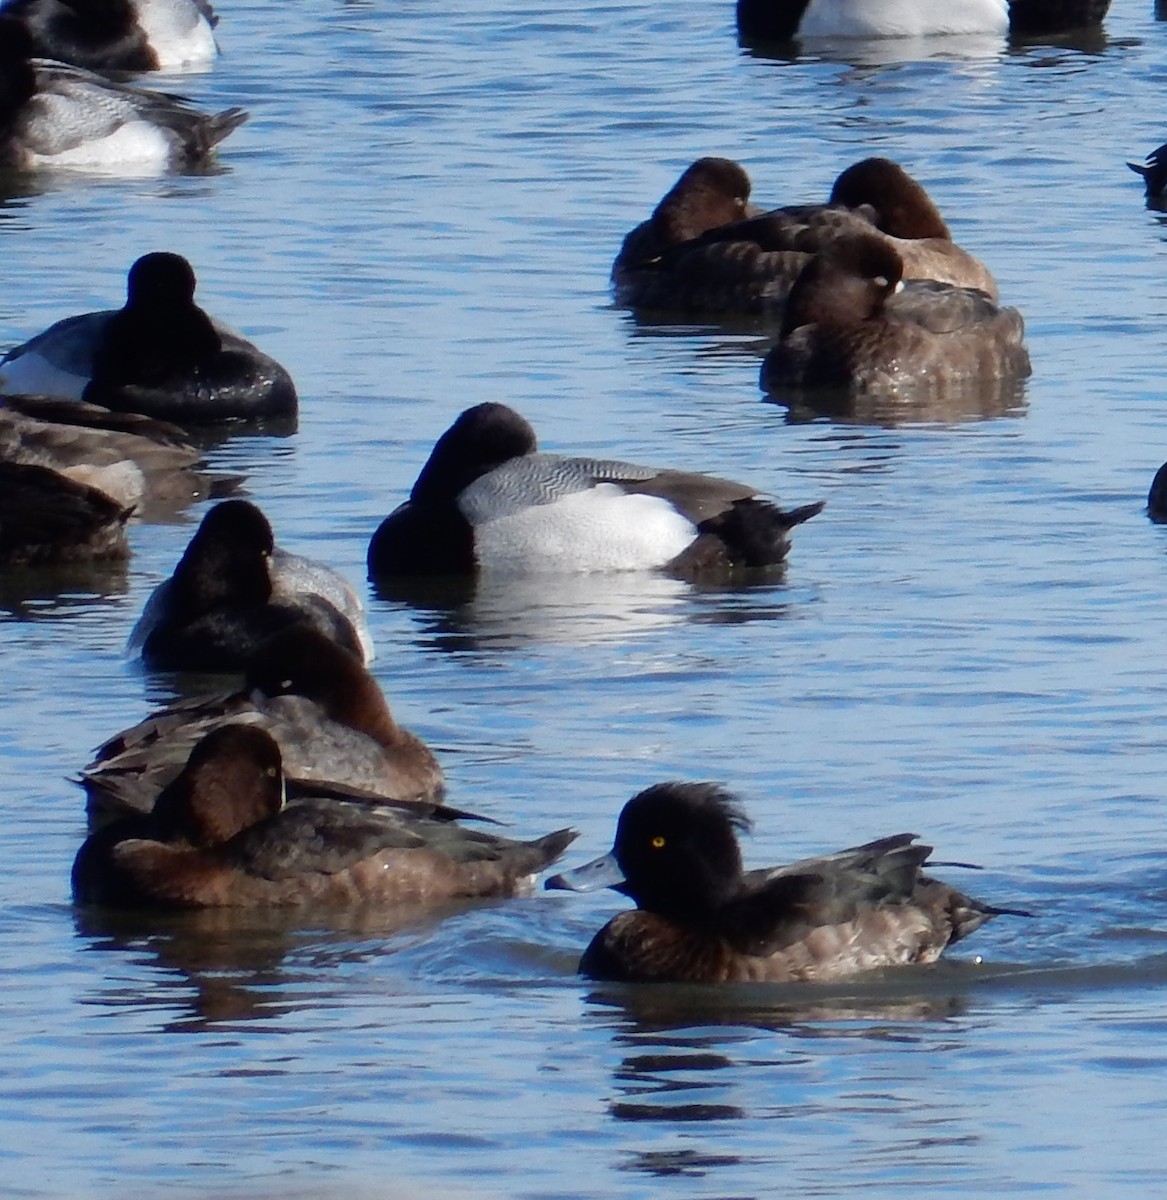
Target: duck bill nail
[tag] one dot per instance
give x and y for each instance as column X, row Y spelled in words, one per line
column 601, row 872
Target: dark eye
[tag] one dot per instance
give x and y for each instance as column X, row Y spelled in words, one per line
column 657, row 842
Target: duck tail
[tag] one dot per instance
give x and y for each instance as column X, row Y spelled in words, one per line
column 756, row 532
column 224, row 123
column 549, row 847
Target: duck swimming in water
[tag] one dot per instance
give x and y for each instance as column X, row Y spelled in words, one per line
column 700, row 918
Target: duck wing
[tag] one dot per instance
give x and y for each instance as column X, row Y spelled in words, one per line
column 329, row 836
column 785, row 905
column 538, row 479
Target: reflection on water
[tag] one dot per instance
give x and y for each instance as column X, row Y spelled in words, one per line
column 509, row 612
column 44, row 592
column 880, row 52
column 223, row 966
column 979, row 401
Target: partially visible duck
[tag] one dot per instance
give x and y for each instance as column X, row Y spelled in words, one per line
column 697, row 263
column 154, row 464
column 487, row 500
column 220, row 836
column 315, row 698
column 1157, row 497
column 222, row 601
column 119, row 35
column 850, row 324
column 160, row 355
column 56, row 116
column 701, row 919
column 782, row 20
column 1154, row 176
column 49, row 518
column 1042, row 18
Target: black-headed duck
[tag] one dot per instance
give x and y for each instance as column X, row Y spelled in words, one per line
column 851, row 324
column 54, row 116
column 221, row 836
column 50, row 518
column 487, row 500
column 783, row 20
column 119, row 35
column 159, row 354
column 225, row 599
column 315, row 698
column 701, row 919
column 746, row 266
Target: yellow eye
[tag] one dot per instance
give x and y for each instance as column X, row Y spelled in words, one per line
column 271, row 772
column 657, row 842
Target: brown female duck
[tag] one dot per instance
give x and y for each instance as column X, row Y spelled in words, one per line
column 317, row 700
column 850, row 323
column 690, row 258
column 221, row 836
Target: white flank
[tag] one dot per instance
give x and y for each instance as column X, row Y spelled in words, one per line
column 903, row 18
column 601, row 529
column 32, row 375
column 137, row 147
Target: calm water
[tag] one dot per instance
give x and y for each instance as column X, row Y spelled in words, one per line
column 968, row 643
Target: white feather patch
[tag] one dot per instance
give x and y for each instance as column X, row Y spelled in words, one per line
column 601, row 529
column 178, row 33
column 30, row 374
column 137, row 147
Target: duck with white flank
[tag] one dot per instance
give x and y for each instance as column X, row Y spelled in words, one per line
column 488, row 500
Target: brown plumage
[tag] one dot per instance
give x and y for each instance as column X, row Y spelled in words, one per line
column 49, row 518
column 141, row 462
column 325, row 710
column 685, row 258
column 220, row 836
column 849, row 326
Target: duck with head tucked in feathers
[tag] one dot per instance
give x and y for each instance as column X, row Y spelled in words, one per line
column 226, row 597
column 221, row 836
column 51, row 519
column 314, row 697
column 488, row 500
column 691, row 256
column 159, row 354
column 59, row 117
column 119, row 35
column 701, row 919
column 145, row 464
column 852, row 324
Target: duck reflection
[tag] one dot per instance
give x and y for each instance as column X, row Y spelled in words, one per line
column 224, row 966
column 680, row 1049
column 53, row 591
column 981, row 400
column 878, row 52
column 510, row 612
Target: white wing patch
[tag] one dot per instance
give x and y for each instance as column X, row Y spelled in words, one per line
column 601, row 529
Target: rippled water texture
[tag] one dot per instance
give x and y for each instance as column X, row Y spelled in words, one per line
column 421, row 214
